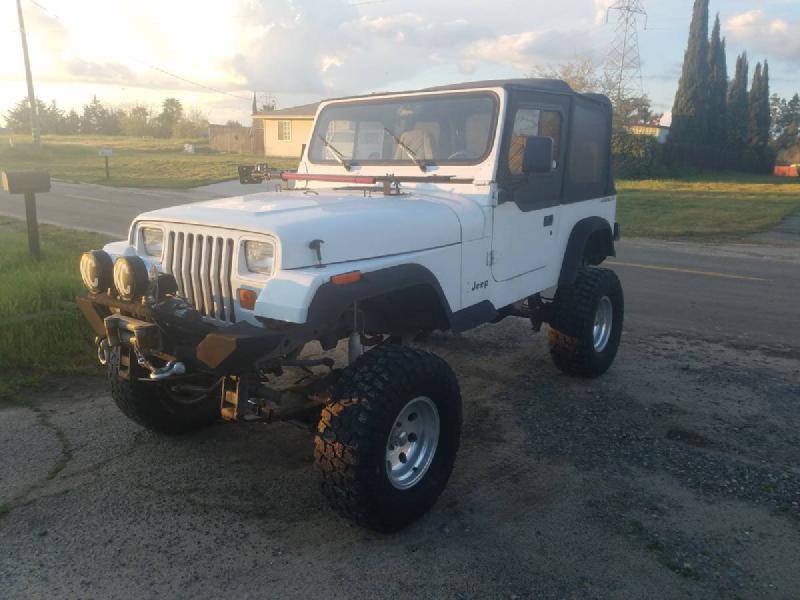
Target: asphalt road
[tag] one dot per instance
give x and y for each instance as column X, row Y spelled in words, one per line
column 741, row 291
column 110, row 210
column 674, row 475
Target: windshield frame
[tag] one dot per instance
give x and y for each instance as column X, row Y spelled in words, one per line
column 490, row 146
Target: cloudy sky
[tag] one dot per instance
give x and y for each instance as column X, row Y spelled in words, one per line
column 303, row 50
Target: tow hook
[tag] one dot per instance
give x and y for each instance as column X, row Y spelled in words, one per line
column 102, row 350
column 173, row 367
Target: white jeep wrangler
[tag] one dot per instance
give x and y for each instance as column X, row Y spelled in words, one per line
column 444, row 209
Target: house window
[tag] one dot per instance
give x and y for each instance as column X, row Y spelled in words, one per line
column 284, row 131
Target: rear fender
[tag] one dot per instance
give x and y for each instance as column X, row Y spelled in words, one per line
column 593, row 234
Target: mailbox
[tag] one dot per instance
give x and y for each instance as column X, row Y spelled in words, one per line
column 26, row 182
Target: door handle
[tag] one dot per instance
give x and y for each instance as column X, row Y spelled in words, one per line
column 548, row 221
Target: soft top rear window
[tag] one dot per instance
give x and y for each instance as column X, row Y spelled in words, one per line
column 455, row 128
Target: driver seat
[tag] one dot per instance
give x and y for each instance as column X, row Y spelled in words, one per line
column 419, row 141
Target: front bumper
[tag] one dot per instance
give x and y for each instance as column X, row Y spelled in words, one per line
column 173, row 330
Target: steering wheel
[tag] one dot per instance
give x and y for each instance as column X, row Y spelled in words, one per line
column 459, row 154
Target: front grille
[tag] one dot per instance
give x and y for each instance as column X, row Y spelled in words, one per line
column 202, row 265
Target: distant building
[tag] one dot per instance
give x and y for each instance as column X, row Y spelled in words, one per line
column 660, row 132
column 787, row 171
column 286, row 130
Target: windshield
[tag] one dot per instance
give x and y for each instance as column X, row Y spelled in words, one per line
column 422, row 130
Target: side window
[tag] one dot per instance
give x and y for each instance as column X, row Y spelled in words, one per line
column 533, row 122
column 588, row 161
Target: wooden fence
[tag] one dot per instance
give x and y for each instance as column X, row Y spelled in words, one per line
column 243, row 140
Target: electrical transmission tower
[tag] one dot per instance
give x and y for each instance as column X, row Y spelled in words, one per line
column 623, row 69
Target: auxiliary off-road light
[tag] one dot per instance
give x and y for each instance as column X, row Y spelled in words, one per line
column 130, row 277
column 97, row 270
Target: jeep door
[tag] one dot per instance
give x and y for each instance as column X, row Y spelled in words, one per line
column 525, row 223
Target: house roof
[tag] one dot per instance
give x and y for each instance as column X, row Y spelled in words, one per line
column 304, row 111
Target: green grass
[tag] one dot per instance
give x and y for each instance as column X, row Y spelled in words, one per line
column 725, row 206
column 136, row 162
column 722, row 206
column 44, row 335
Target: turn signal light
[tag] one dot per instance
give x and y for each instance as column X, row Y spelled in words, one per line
column 345, row 278
column 247, row 298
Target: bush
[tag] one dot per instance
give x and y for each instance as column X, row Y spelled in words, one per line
column 789, row 156
column 636, row 156
column 718, row 158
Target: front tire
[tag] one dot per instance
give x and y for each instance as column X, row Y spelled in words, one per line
column 586, row 325
column 387, row 443
column 156, row 406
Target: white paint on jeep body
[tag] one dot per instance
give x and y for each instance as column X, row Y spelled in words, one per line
column 287, row 296
column 351, row 226
column 477, row 250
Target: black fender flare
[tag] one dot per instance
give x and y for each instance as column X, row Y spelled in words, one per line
column 581, row 232
column 331, row 300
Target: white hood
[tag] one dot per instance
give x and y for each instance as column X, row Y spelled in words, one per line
column 352, row 227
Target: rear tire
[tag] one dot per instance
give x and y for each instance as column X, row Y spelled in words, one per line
column 586, row 325
column 155, row 406
column 387, row 443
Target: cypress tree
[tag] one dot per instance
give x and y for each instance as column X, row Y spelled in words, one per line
column 765, row 119
column 755, row 137
column 690, row 110
column 717, row 88
column 738, row 106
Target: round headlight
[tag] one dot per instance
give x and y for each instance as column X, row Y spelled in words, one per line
column 130, row 277
column 96, row 270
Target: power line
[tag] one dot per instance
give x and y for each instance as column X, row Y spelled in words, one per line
column 152, row 66
column 180, row 78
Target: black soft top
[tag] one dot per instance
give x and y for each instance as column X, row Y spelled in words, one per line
column 552, row 86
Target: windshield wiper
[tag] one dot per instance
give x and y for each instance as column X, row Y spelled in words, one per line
column 417, row 161
column 337, row 155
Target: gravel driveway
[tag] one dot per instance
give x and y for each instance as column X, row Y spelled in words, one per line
column 675, row 475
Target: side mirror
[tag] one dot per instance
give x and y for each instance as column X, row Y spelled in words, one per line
column 538, row 156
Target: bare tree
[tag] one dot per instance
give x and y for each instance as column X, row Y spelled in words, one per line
column 582, row 74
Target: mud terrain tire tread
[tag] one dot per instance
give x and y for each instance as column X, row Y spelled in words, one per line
column 349, row 448
column 574, row 308
column 150, row 405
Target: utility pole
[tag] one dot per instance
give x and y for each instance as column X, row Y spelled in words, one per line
column 623, row 69
column 35, row 130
